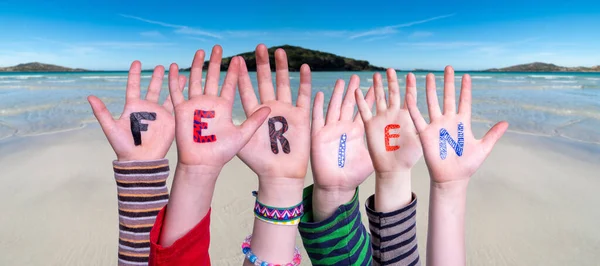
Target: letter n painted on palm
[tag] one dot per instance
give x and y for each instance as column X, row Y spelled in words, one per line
column 457, row 146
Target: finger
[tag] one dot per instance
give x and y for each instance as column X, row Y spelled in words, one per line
column 282, row 77
column 380, row 101
column 411, row 87
column 132, row 91
column 231, row 79
column 155, row 84
column 263, row 74
column 214, row 71
column 249, row 127
column 350, row 99
column 411, row 104
column 393, row 89
column 168, row 104
column 333, row 110
column 464, row 105
column 492, row 136
column 432, row 100
column 318, row 122
column 101, row 113
column 247, row 95
column 195, row 88
column 304, row 92
column 370, row 99
column 363, row 107
column 174, row 85
column 449, row 91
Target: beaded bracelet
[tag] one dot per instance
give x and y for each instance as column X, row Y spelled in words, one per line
column 279, row 216
column 256, row 261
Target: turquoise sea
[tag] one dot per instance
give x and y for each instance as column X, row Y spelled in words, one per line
column 565, row 105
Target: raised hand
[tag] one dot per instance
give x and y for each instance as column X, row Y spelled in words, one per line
column 145, row 129
column 205, row 132
column 339, row 157
column 393, row 142
column 206, row 140
column 451, row 151
column 280, row 147
column 452, row 155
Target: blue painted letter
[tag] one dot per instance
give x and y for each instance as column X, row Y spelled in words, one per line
column 342, row 151
column 457, row 146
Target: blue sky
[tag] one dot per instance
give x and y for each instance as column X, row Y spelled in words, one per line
column 404, row 34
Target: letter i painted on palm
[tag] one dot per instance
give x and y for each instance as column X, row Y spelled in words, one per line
column 199, row 126
column 389, row 136
column 342, row 151
column 457, row 146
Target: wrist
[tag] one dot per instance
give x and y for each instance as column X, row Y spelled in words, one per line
column 326, row 201
column 393, row 190
column 280, row 191
column 450, row 189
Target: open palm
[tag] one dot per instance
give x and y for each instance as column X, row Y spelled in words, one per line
column 451, row 151
column 154, row 142
column 339, row 156
column 205, row 132
column 287, row 155
column 391, row 135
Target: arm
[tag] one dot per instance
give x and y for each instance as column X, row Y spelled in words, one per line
column 331, row 228
column 452, row 155
column 140, row 138
column 278, row 153
column 206, row 140
column 395, row 148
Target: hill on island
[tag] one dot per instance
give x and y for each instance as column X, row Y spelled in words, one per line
column 39, row 67
column 544, row 67
column 317, row 60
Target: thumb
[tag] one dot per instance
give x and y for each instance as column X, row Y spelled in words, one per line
column 253, row 122
column 101, row 113
column 493, row 135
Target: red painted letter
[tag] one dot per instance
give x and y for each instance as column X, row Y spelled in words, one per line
column 388, row 136
column 199, row 125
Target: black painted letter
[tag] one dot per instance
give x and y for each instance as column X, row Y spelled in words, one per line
column 137, row 127
column 275, row 135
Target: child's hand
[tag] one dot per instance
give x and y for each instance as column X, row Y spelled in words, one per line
column 280, row 147
column 206, row 135
column 393, row 141
column 145, row 129
column 451, row 151
column 339, row 157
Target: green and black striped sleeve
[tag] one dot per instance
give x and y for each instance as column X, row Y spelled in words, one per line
column 341, row 239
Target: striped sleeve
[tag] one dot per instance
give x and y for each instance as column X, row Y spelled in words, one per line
column 142, row 192
column 394, row 234
column 338, row 240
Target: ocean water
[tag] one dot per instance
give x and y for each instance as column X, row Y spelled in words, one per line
column 565, row 105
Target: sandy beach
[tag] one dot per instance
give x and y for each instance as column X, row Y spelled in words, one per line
column 534, row 202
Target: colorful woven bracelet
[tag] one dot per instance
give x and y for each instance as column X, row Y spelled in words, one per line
column 256, row 261
column 280, row 216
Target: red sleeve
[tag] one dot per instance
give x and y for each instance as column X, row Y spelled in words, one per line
column 191, row 249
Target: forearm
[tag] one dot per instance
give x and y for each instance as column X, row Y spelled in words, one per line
column 392, row 190
column 446, row 233
column 142, row 193
column 191, row 197
column 271, row 242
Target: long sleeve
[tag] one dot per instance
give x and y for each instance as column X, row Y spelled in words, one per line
column 394, row 234
column 191, row 249
column 142, row 193
column 340, row 239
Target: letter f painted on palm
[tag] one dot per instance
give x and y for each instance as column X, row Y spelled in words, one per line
column 457, row 146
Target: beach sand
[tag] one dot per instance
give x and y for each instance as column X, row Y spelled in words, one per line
column 535, row 201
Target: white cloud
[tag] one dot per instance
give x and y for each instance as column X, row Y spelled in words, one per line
column 394, row 28
column 440, row 45
column 182, row 29
column 151, row 34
